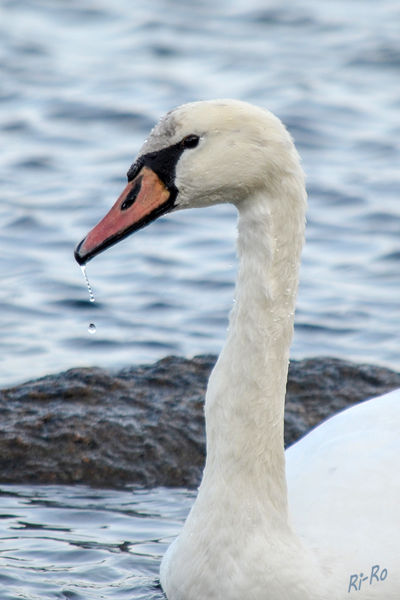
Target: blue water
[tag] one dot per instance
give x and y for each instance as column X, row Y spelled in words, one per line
column 77, row 543
column 81, row 83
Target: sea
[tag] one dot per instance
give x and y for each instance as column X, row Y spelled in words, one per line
column 81, row 84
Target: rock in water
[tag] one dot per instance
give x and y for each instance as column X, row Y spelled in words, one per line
column 145, row 424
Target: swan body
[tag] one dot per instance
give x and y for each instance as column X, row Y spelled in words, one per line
column 321, row 522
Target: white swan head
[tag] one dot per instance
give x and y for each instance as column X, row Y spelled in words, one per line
column 199, row 154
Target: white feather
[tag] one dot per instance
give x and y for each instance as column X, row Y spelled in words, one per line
column 332, row 531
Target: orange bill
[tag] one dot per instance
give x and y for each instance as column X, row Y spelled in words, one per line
column 144, row 199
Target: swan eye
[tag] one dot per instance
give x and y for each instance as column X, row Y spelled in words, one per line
column 190, row 141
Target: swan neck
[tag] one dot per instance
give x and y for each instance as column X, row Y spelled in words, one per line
column 246, row 394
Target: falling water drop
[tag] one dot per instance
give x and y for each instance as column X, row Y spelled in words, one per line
column 92, row 326
column 89, row 287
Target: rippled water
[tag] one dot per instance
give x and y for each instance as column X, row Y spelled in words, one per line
column 77, row 543
column 81, row 84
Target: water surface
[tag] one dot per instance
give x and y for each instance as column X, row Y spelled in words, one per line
column 82, row 83
column 79, row 543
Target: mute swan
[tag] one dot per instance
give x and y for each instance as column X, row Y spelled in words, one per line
column 331, row 530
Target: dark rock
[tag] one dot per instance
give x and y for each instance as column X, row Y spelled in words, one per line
column 144, row 424
column 321, row 387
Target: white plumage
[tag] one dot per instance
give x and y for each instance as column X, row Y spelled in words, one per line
column 340, row 536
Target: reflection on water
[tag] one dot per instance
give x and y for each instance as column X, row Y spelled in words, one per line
column 81, row 543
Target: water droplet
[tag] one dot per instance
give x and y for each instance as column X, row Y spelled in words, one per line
column 89, row 287
column 92, row 328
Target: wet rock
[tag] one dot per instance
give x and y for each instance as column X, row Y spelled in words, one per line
column 145, row 424
column 321, row 387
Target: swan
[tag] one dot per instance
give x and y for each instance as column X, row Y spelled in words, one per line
column 322, row 520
